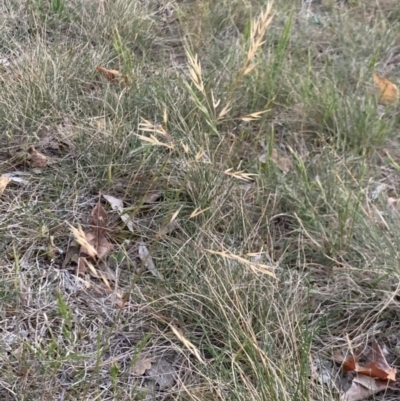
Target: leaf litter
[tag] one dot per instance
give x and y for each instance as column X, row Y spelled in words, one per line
column 113, row 76
column 373, row 375
column 36, row 158
column 142, row 364
column 94, row 244
column 163, row 373
column 387, row 91
column 118, row 205
column 4, row 180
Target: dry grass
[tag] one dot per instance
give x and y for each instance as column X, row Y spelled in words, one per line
column 256, row 168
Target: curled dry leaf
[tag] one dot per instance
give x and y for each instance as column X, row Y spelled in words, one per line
column 388, row 91
column 151, row 197
column 141, row 365
column 3, row 183
column 112, row 75
column 36, row 158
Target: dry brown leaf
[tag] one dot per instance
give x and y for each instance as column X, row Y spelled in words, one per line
column 375, row 366
column 108, row 273
column 72, row 254
column 94, row 244
column 96, row 237
column 142, row 364
column 283, row 162
column 388, row 91
column 169, row 228
column 3, row 183
column 364, row 386
column 356, row 392
column 112, row 75
column 36, row 158
column 99, row 215
column 101, row 123
column 99, row 243
column 151, row 197
column 81, row 268
column 163, row 373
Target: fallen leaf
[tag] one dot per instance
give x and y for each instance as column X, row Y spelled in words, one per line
column 141, row 365
column 151, row 197
column 81, row 268
column 3, row 183
column 101, row 245
column 109, row 273
column 112, row 75
column 375, row 365
column 93, row 243
column 36, row 158
column 388, row 91
column 378, row 364
column 283, row 162
column 163, row 373
column 117, row 204
column 356, row 392
column 96, row 237
column 145, row 256
column 169, row 228
column 364, row 386
column 72, row 254
column 101, row 123
column 99, row 216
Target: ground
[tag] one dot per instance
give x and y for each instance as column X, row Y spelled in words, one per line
column 199, row 199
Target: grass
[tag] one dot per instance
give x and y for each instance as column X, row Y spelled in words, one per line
column 260, row 131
